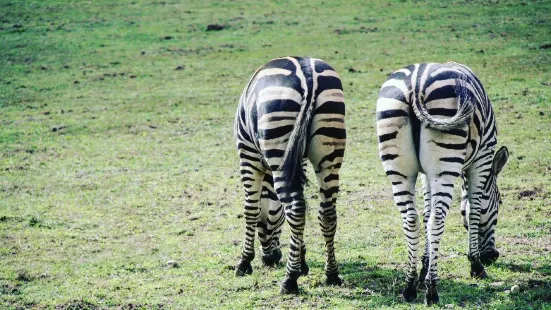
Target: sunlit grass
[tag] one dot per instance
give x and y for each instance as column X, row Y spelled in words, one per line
column 117, row 151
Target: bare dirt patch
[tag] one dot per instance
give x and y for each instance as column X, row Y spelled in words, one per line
column 77, row 305
column 530, row 193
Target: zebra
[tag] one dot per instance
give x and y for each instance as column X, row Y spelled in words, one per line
column 436, row 119
column 292, row 109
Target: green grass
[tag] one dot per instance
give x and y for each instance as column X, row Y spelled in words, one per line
column 112, row 162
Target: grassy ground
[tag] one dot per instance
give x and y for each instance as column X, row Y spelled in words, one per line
column 117, row 155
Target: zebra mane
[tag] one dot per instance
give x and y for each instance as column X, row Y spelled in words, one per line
column 465, row 109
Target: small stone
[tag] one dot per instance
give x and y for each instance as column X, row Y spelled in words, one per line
column 515, row 289
column 496, row 284
column 172, row 264
column 448, row 306
column 216, row 27
column 58, row 128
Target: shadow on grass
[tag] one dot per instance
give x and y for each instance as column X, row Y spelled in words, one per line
column 382, row 286
column 544, row 269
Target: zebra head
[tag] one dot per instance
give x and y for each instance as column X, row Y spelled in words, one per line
column 488, row 221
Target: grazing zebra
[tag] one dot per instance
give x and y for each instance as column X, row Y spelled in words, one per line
column 291, row 109
column 436, row 119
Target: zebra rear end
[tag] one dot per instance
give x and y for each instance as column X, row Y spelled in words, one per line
column 291, row 109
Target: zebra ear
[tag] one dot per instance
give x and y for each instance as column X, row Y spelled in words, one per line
column 500, row 159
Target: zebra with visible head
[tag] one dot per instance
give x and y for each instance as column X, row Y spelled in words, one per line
column 436, row 119
column 291, row 109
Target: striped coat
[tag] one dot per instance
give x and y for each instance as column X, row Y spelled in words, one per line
column 291, row 109
column 436, row 119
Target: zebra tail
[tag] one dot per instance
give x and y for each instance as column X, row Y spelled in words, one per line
column 293, row 174
column 465, row 109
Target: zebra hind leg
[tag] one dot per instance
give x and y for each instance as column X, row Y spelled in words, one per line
column 328, row 180
column 252, row 182
column 404, row 195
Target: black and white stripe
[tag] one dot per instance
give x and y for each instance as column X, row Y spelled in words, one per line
column 436, row 119
column 291, row 109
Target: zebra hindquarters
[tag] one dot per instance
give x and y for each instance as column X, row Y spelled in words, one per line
column 326, row 152
column 395, row 130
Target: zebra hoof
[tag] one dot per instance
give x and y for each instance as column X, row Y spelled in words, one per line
column 431, row 296
column 243, row 268
column 289, row 286
column 478, row 271
column 304, row 269
column 333, row 279
column 410, row 292
column 489, row 257
column 479, row 275
column 272, row 259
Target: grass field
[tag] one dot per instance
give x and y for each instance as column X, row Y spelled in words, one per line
column 117, row 152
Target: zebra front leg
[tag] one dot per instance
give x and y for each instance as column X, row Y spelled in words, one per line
column 271, row 254
column 441, row 188
column 275, row 219
column 251, row 178
column 403, row 189
column 426, row 216
column 475, row 186
column 272, row 219
column 470, row 215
